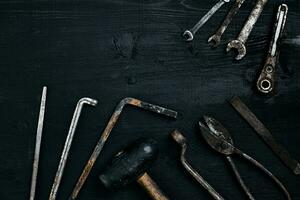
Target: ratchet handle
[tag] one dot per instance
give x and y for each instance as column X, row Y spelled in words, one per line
column 266, row 80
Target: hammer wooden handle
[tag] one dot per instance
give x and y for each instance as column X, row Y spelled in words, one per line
column 151, row 187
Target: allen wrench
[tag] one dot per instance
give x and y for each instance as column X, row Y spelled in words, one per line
column 105, row 134
column 68, row 143
column 38, row 140
column 181, row 140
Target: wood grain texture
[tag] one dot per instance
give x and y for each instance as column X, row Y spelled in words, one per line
column 110, row 49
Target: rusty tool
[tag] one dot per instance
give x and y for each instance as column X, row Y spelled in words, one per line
column 181, row 140
column 189, row 34
column 38, row 141
column 113, row 120
column 217, row 136
column 239, row 43
column 215, row 39
column 131, row 164
column 265, row 134
column 68, row 144
column 266, row 80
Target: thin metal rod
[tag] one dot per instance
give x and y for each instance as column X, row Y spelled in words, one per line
column 38, row 140
column 104, row 136
column 239, row 178
column 181, row 140
column 68, row 143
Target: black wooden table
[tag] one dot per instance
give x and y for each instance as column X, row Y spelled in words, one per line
column 110, row 49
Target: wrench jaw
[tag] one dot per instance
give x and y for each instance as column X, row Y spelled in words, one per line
column 239, row 46
column 214, row 41
column 188, row 35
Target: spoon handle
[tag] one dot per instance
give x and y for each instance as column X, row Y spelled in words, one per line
column 262, row 168
column 239, row 178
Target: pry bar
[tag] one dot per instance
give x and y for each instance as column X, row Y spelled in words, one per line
column 181, row 140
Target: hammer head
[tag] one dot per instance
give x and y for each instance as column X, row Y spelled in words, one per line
column 130, row 164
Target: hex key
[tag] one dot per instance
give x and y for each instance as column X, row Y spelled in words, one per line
column 38, row 141
column 65, row 153
column 113, row 120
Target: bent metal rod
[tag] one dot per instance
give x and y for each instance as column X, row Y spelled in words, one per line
column 68, row 143
column 112, row 122
column 181, row 140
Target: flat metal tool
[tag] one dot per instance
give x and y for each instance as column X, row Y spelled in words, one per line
column 239, row 43
column 38, row 141
column 112, row 122
column 215, row 39
column 217, row 136
column 265, row 134
column 181, row 140
column 68, row 143
column 189, row 34
column 266, row 80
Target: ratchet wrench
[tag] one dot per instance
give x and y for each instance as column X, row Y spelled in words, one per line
column 266, row 80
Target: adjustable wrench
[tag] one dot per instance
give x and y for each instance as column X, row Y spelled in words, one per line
column 266, row 80
column 215, row 39
column 239, row 43
column 189, row 34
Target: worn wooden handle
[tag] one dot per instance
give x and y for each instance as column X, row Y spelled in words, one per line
column 151, row 188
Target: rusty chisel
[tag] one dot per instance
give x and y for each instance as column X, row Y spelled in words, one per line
column 265, row 134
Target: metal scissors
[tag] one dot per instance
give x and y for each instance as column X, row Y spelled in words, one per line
column 217, row 136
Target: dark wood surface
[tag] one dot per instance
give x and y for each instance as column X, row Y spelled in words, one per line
column 110, row 49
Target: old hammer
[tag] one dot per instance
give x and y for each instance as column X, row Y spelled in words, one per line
column 131, row 164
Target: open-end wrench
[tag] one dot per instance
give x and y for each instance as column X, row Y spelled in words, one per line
column 65, row 153
column 239, row 43
column 215, row 39
column 266, row 80
column 189, row 34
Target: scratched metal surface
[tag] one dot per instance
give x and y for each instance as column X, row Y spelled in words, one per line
column 111, row 49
